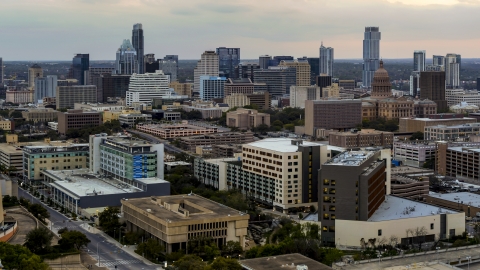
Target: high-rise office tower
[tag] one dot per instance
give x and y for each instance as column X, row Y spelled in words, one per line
column 322, row 81
column 452, row 70
column 414, row 83
column 146, row 87
column 126, row 59
column 264, row 61
column 169, row 67
column 419, row 61
column 137, row 41
column 207, row 65
column 1, row 72
column 371, row 54
column 80, row 66
column 45, row 87
column 438, row 60
column 459, row 61
column 35, row 71
column 314, row 63
column 246, row 70
column 432, row 86
column 114, row 86
column 303, row 71
column 278, row 79
column 228, row 59
column 172, row 57
column 151, row 64
column 212, row 87
column 326, row 60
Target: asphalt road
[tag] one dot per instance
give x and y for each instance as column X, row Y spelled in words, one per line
column 166, row 145
column 111, row 255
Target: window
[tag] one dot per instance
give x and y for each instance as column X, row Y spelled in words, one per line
column 379, row 232
column 431, row 226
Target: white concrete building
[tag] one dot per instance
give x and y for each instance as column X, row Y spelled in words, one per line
column 145, row 87
column 298, row 95
column 456, row 96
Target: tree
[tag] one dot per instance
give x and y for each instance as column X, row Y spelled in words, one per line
column 62, row 230
column 151, row 249
column 39, row 211
column 232, row 248
column 222, row 263
column 38, row 240
column 9, row 201
column 19, row 257
column 73, row 239
column 190, row 262
column 417, row 136
column 108, row 219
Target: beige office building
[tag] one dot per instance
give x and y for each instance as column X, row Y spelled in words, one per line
column 303, row 70
column 165, row 131
column 19, row 97
column 363, row 138
column 247, row 118
column 331, row 91
column 298, row 95
column 176, row 220
column 40, row 115
column 34, row 71
column 183, row 89
column 206, row 66
column 419, row 124
column 67, row 96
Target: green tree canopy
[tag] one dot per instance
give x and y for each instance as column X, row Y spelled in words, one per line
column 417, row 136
column 222, row 263
column 39, row 211
column 38, row 240
column 232, row 248
column 151, row 249
column 19, row 257
column 73, row 239
column 190, row 262
column 109, row 220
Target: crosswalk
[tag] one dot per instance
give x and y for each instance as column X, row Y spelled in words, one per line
column 118, row 262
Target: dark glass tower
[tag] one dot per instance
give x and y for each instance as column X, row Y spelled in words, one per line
column 80, row 66
column 137, row 42
column 228, row 59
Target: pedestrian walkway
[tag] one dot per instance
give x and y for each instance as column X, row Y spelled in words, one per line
column 118, row 262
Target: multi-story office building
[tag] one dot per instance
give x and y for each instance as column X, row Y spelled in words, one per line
column 35, row 71
column 67, row 96
column 452, row 70
column 238, row 86
column 170, row 68
column 39, row 114
column 326, row 60
column 277, row 59
column 438, row 60
column 80, row 67
column 419, row 61
column 362, row 138
column 459, row 162
column 130, row 119
column 228, row 59
column 146, row 87
column 1, row 72
column 332, row 114
column 45, row 87
column 302, row 71
column 95, row 77
column 261, row 99
column 323, row 80
column 138, row 45
column 314, row 63
column 7, row 125
column 212, row 87
column 451, row 133
column 371, row 54
column 53, row 155
column 115, row 86
column 264, row 61
column 299, row 94
column 278, row 79
column 415, row 84
column 347, row 84
column 19, row 96
column 247, row 118
column 183, row 89
column 332, row 91
column 191, row 142
column 165, row 131
column 126, row 62
column 419, row 124
column 176, row 220
column 292, row 164
column 246, row 70
column 75, row 119
column 206, row 66
column 457, row 96
column 432, row 86
column 151, row 64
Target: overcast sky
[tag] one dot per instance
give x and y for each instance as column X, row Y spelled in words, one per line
column 56, row 29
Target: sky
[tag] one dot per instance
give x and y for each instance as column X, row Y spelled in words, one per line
column 57, row 29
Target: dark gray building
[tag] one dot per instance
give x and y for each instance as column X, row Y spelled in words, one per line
column 351, row 187
column 246, row 70
column 277, row 79
column 80, row 66
column 114, row 86
column 138, row 44
column 228, row 59
column 264, row 61
column 314, row 63
column 478, row 84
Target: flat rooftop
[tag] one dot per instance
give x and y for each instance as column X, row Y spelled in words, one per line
column 440, row 120
column 287, row 261
column 198, row 207
column 280, row 144
column 465, row 197
column 128, row 141
column 469, row 125
column 17, row 148
column 177, row 126
column 398, row 208
column 220, row 160
column 350, row 158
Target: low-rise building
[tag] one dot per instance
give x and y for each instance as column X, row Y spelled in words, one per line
column 7, row 125
column 53, row 125
column 176, row 220
column 169, row 131
column 419, row 124
column 458, row 161
column 247, row 118
column 190, row 143
column 130, row 118
column 407, row 187
column 297, row 260
column 299, row 94
column 114, row 115
column 74, row 119
column 362, row 138
column 19, row 96
column 40, row 114
column 451, row 133
column 99, row 107
column 466, row 202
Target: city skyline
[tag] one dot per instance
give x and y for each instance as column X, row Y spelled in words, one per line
column 277, row 29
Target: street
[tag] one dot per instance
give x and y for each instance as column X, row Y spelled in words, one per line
column 111, row 254
column 166, row 145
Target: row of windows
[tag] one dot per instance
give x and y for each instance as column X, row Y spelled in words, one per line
column 207, row 226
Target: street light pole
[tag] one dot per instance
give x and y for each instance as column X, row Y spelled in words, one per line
column 437, row 252
column 468, row 261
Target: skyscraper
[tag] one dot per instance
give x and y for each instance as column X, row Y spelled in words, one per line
column 169, row 67
column 1, row 72
column 264, row 61
column 137, row 40
column 35, row 71
column 207, row 65
column 326, row 60
column 146, row 87
column 302, row 71
column 172, row 57
column 452, row 70
column 80, row 66
column 438, row 60
column 126, row 59
column 419, row 61
column 371, row 54
column 228, row 59
column 45, row 87
column 432, row 86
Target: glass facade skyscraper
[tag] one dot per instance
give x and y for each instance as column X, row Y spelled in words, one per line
column 419, row 61
column 137, row 41
column 326, row 60
column 126, row 59
column 80, row 66
column 228, row 59
column 371, row 54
